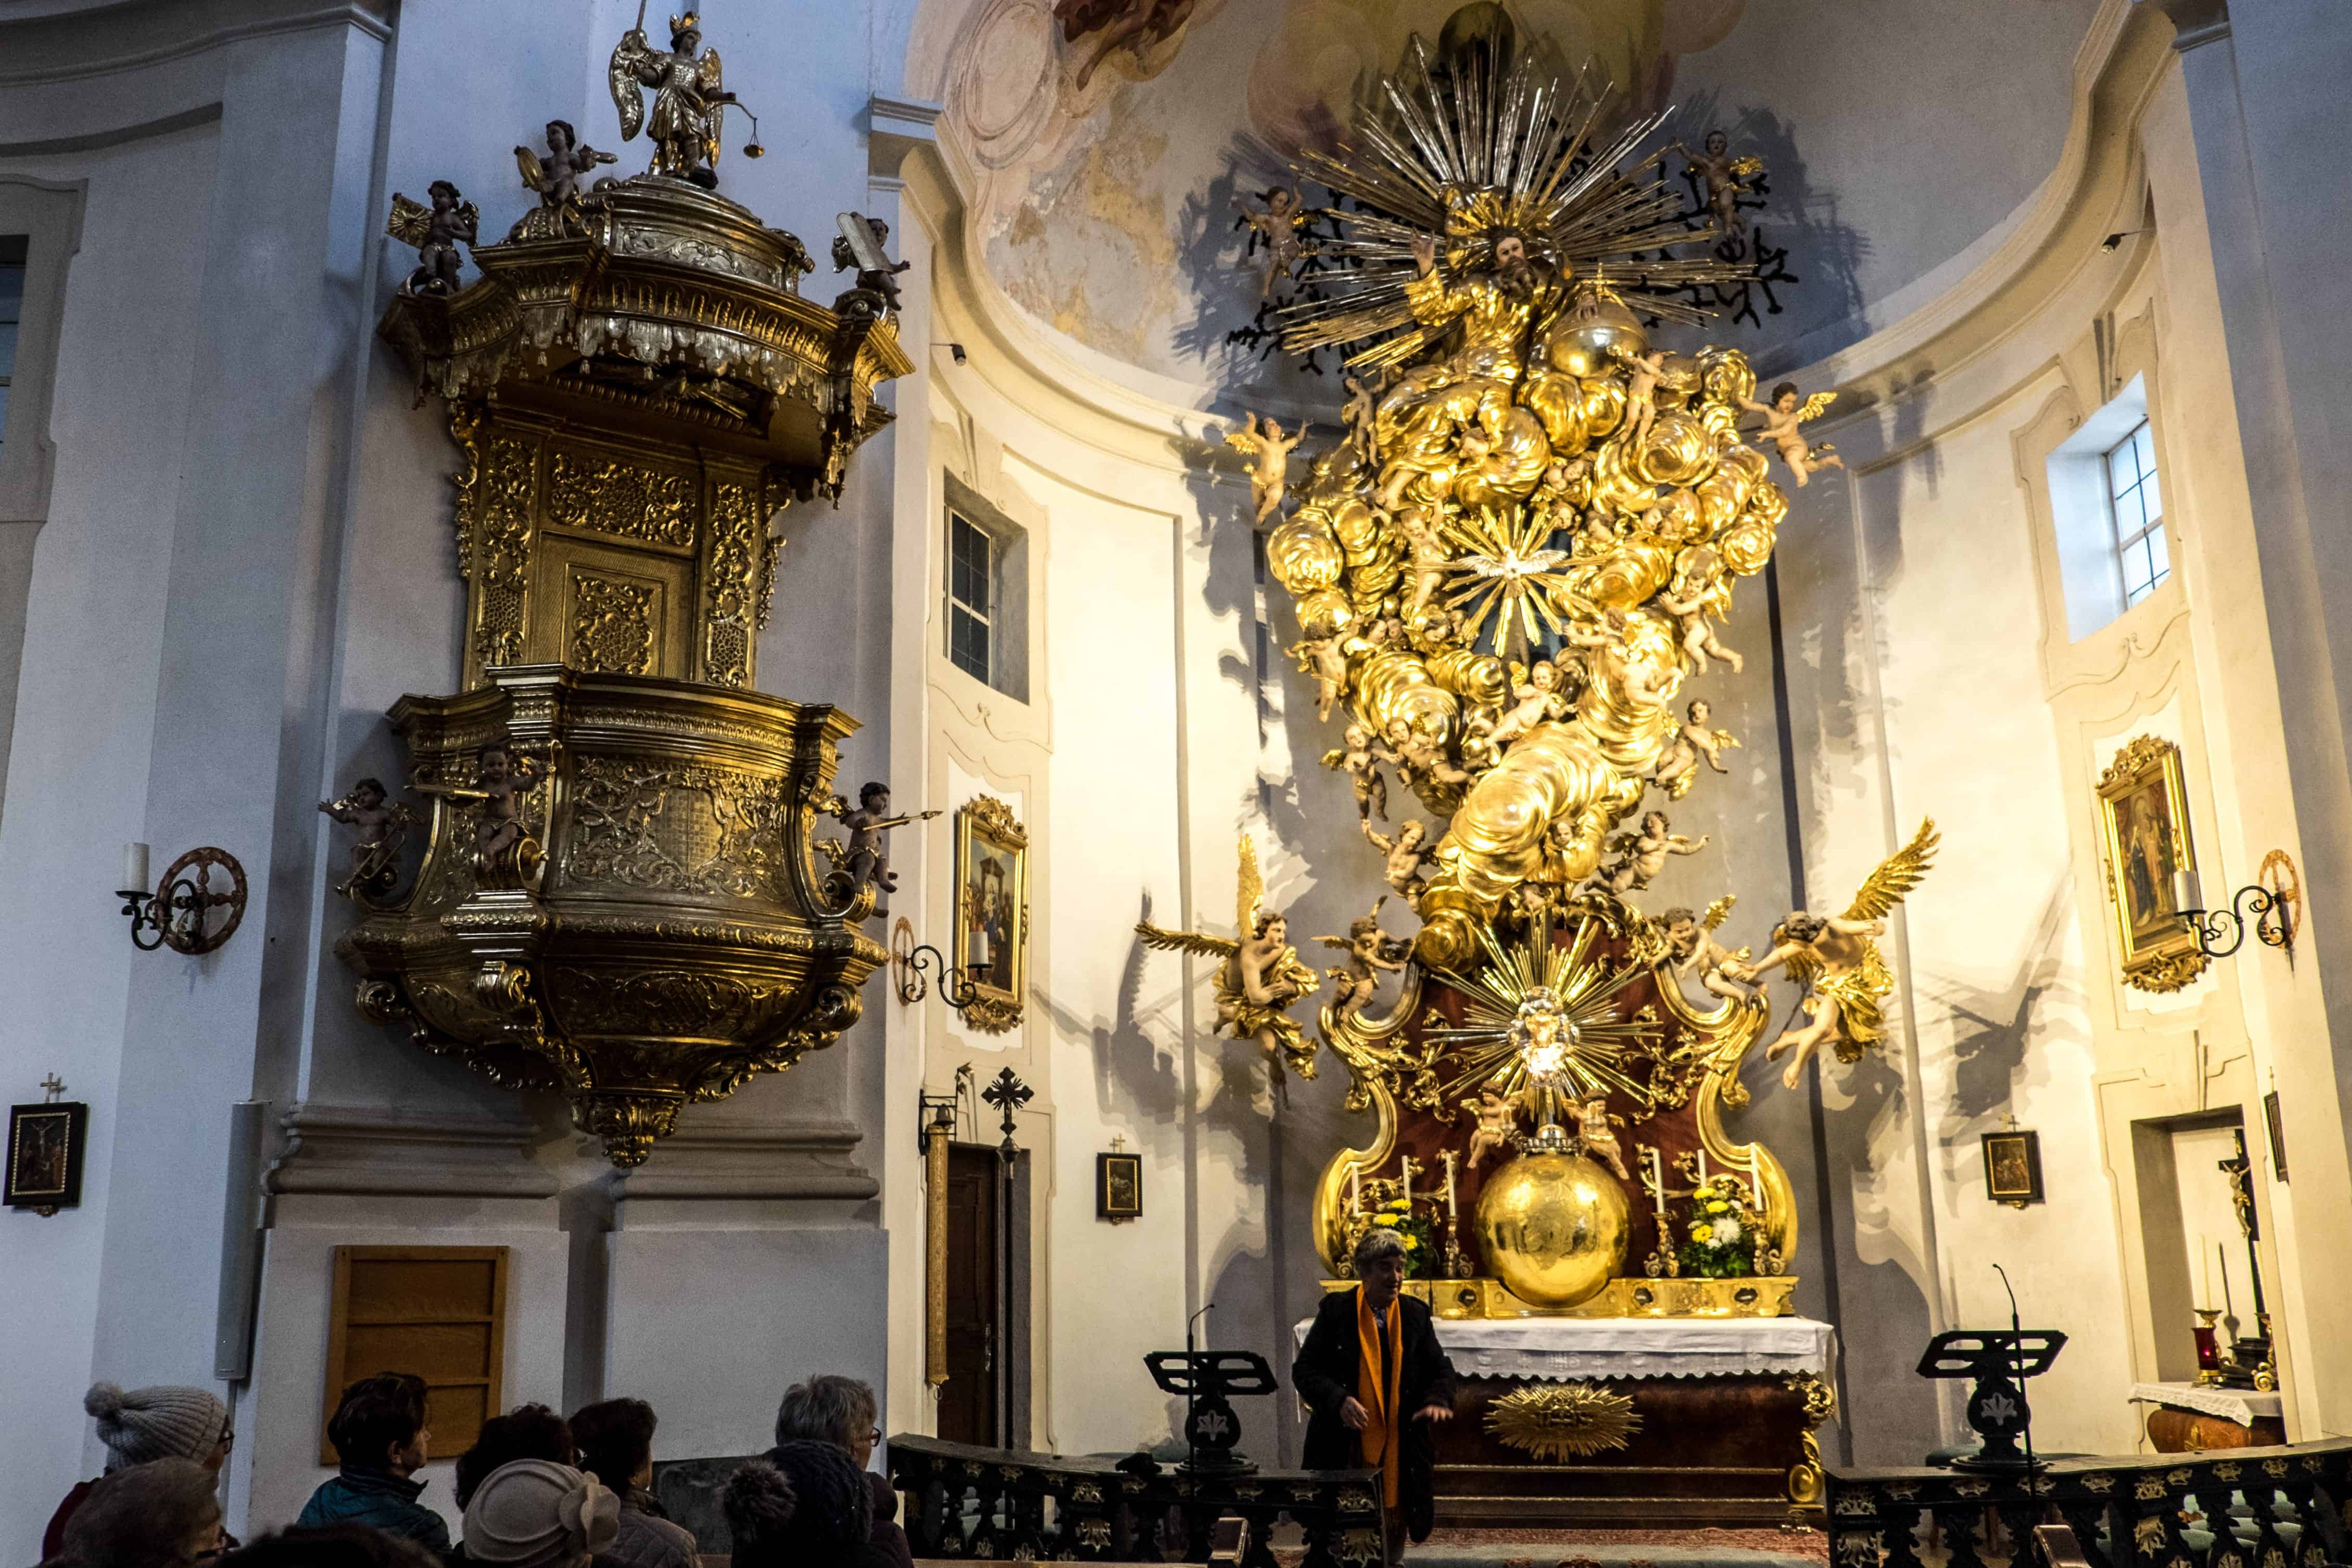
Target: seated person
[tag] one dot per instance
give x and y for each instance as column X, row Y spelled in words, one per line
column 160, row 1515
column 1376, row 1379
column 804, row 1506
column 616, row 1447
column 526, row 1432
column 379, row 1434
column 536, row 1514
column 841, row 1411
column 142, row 1425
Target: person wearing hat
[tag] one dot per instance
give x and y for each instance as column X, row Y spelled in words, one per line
column 536, row 1514
column 142, row 1426
column 804, row 1506
column 161, row 1513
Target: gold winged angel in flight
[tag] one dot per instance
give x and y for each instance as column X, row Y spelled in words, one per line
column 1261, row 977
column 1836, row 959
column 689, row 100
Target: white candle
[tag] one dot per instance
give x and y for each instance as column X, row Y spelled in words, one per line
column 1755, row 1179
column 1449, row 1182
column 134, row 869
column 1405, row 1192
column 1355, row 1189
column 2209, row 1265
column 1658, row 1182
column 1702, row 1164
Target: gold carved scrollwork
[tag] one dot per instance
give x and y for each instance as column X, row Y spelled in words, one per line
column 612, row 626
column 609, row 496
column 1559, row 1421
column 494, row 533
column 678, row 829
column 741, row 573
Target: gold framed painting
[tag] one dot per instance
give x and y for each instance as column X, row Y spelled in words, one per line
column 991, row 915
column 2144, row 833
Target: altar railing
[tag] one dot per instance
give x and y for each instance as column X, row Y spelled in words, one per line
column 969, row 1502
column 2236, row 1508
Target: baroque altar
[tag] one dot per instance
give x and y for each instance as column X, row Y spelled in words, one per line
column 1507, row 576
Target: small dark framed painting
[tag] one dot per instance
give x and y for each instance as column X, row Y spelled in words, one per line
column 45, row 1155
column 2014, row 1167
column 2278, row 1134
column 1119, row 1187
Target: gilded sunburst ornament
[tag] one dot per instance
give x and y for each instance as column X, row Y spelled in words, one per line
column 1540, row 1011
column 1557, row 1421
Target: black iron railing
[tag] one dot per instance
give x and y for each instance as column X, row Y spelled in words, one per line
column 964, row 1501
column 2234, row 1508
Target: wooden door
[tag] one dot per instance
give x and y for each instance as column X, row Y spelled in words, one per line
column 970, row 1410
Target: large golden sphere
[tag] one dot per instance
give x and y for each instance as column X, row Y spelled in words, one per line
column 1553, row 1228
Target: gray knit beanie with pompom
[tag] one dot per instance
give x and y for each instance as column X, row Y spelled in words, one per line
column 159, row 1423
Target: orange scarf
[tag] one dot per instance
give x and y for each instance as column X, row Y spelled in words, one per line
column 1383, row 1434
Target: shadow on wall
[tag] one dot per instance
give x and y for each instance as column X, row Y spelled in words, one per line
column 1991, row 1027
column 1825, row 253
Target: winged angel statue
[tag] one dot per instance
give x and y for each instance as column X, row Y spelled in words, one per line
column 1261, row 977
column 689, row 100
column 436, row 232
column 1836, row 959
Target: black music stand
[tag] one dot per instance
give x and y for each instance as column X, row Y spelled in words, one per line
column 1206, row 1379
column 2001, row 1360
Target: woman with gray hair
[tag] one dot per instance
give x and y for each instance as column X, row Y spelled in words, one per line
column 831, row 1408
column 1376, row 1379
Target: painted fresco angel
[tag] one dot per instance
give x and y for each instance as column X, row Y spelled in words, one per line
column 1261, row 976
column 435, row 231
column 688, row 99
column 1836, row 959
column 1781, row 417
column 1140, row 26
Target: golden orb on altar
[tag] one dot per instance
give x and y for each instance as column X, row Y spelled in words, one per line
column 1553, row 1228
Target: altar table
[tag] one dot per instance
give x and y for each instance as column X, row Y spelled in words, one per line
column 2189, row 1416
column 1723, row 1413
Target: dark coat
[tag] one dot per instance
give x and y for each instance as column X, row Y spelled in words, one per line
column 1325, row 1376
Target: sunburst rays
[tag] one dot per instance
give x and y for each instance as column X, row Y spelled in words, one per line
column 1598, row 1035
column 1506, row 570
column 1461, row 150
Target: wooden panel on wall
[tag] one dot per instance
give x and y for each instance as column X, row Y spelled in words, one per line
column 437, row 1312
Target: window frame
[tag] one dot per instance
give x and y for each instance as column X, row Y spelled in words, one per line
column 2139, row 443
column 985, row 615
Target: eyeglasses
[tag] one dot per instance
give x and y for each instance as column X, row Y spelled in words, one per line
column 227, row 1439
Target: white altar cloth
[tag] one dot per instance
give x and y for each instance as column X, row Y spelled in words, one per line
column 2243, row 1405
column 1560, row 1348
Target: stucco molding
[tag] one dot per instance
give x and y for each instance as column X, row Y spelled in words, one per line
column 388, row 1152
column 789, row 1160
column 103, row 40
column 2122, row 61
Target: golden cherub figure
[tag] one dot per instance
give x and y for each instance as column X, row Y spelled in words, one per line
column 1836, row 959
column 1278, row 225
column 1269, row 451
column 435, row 231
column 1498, row 1124
column 1599, row 1139
column 688, row 98
column 1781, row 417
column 1371, row 952
column 1692, row 948
column 1261, row 977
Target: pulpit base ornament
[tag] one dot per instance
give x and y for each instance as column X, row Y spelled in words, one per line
column 629, row 912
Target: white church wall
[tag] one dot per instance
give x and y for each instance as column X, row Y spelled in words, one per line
column 84, row 724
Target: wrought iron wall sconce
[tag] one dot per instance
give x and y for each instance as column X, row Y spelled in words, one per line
column 2274, row 900
column 915, row 965
column 181, row 908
